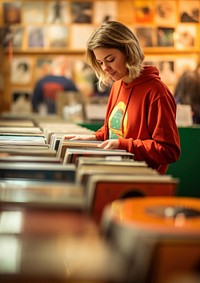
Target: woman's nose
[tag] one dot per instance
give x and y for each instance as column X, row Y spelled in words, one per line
column 105, row 67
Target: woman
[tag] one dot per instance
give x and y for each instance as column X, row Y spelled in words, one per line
column 141, row 111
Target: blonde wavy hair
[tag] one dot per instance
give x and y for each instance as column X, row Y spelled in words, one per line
column 115, row 35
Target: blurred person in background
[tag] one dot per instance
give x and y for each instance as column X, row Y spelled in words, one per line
column 187, row 91
column 46, row 88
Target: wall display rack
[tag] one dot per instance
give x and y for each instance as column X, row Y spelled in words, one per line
column 39, row 31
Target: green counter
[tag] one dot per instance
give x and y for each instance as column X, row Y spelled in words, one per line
column 187, row 168
column 94, row 126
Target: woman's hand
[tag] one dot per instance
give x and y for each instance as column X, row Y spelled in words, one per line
column 109, row 144
column 80, row 137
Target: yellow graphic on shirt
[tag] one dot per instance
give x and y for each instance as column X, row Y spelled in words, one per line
column 116, row 129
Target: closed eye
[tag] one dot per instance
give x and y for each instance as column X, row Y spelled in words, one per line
column 110, row 60
column 106, row 61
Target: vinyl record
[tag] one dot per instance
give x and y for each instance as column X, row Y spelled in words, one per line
column 180, row 215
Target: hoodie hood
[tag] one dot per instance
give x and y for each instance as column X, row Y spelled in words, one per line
column 148, row 72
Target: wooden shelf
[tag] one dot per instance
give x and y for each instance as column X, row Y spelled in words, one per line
column 126, row 12
column 44, row 51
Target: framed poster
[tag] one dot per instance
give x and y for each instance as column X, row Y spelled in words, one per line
column 82, row 12
column 21, row 101
column 185, row 36
column 144, row 11
column 166, row 70
column 105, row 11
column 166, row 12
column 34, row 12
column 165, row 36
column 185, row 64
column 12, row 12
column 21, row 70
column 17, row 36
column 36, row 36
column 58, row 12
column 146, row 36
column 189, row 11
column 58, row 36
column 12, row 34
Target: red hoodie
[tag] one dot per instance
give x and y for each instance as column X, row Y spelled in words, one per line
column 147, row 120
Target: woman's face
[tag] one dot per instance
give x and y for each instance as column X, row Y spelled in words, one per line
column 112, row 62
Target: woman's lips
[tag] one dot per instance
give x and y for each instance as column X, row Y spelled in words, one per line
column 112, row 74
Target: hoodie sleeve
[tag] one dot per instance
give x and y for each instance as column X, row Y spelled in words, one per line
column 100, row 133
